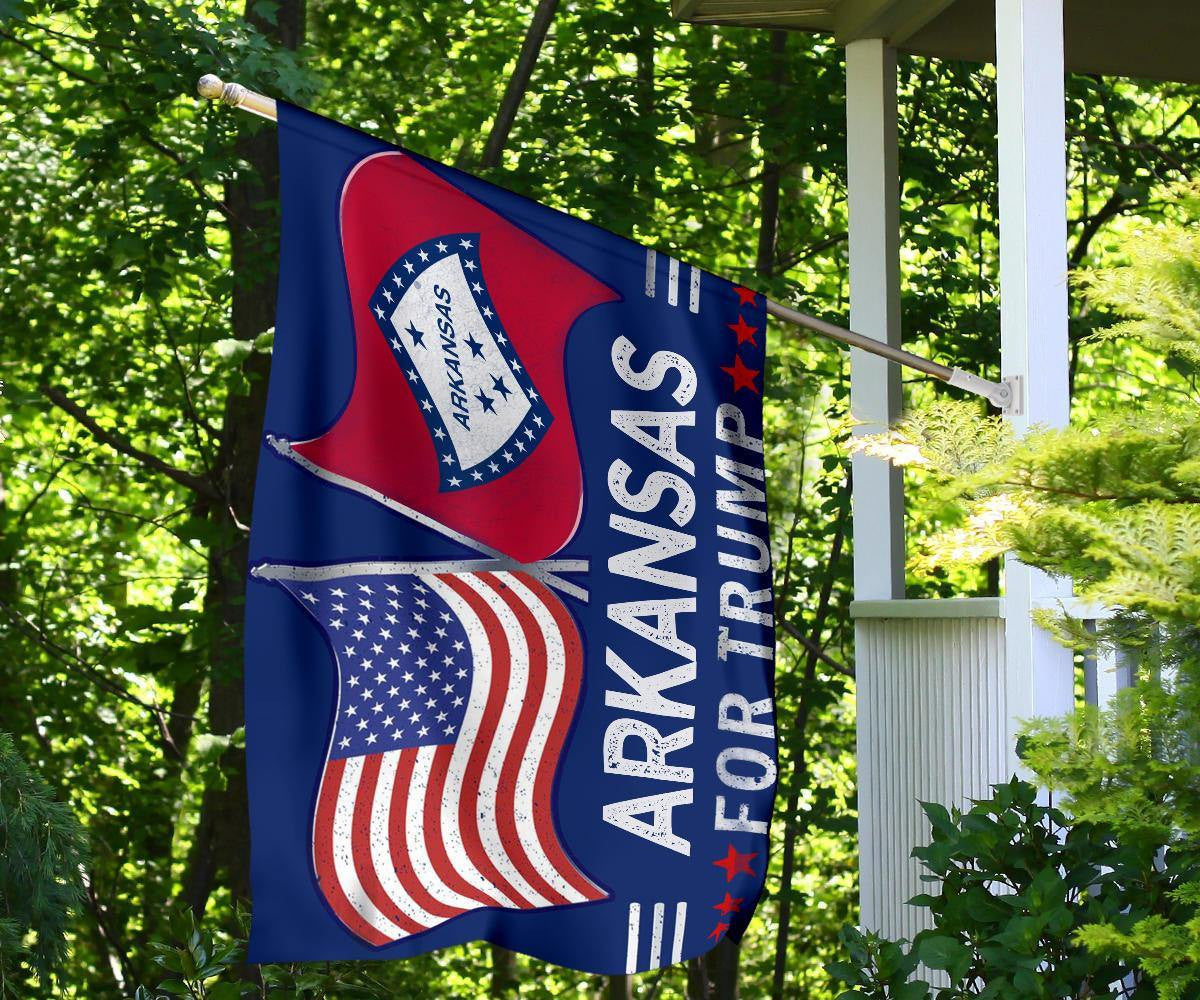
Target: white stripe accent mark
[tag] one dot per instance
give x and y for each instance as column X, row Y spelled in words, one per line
column 694, row 290
column 656, row 936
column 631, row 950
column 680, row 920
column 673, row 282
column 651, row 265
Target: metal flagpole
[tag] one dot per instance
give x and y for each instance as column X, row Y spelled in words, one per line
column 1005, row 395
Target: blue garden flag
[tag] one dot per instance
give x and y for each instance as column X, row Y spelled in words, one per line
column 509, row 632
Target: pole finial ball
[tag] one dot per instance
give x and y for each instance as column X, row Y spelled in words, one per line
column 210, row 87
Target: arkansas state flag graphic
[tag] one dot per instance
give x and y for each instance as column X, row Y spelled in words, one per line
column 509, row 636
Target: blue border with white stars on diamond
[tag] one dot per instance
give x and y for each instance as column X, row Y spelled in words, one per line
column 528, row 434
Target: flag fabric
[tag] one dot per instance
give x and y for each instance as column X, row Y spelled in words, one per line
column 509, row 638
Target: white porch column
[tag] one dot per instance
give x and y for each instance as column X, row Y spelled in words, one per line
column 875, row 393
column 1033, row 310
column 875, row 400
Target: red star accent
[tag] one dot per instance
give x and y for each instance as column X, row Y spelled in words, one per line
column 743, row 377
column 735, row 863
column 728, row 904
column 745, row 296
column 717, row 931
column 743, row 330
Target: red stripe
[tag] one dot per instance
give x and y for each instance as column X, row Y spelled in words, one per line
column 434, row 845
column 544, row 784
column 398, row 839
column 497, row 691
column 360, row 848
column 331, row 783
column 531, row 705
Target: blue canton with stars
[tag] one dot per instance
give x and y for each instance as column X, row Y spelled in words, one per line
column 404, row 662
column 483, row 397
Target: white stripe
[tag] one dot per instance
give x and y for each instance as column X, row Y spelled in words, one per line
column 381, row 838
column 489, row 783
column 680, row 921
column 651, row 265
column 414, row 834
column 343, row 859
column 656, row 936
column 694, row 290
column 556, row 669
column 631, row 949
column 672, row 281
column 468, row 734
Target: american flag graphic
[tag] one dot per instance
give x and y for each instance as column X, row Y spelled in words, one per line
column 455, row 694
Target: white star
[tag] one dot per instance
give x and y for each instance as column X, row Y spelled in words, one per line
column 507, row 456
column 492, row 466
column 405, row 647
column 377, row 708
column 365, row 589
column 413, row 633
column 423, row 255
column 362, row 724
column 412, row 376
column 380, row 678
column 359, row 634
column 532, row 394
column 448, row 730
column 408, row 267
column 458, row 644
column 465, row 244
column 398, row 734
column 521, row 446
column 338, row 592
column 396, row 345
column 344, row 742
column 353, row 682
column 442, row 248
column 477, row 475
column 408, row 676
column 500, row 339
column 421, row 689
column 455, row 481
column 396, row 280
column 444, row 616
column 448, row 459
column 336, row 623
column 515, row 365
column 364, row 619
column 441, row 716
column 384, row 634
column 448, row 660
column 421, row 602
column 391, row 588
column 351, row 711
column 339, row 608
column 447, row 688
column 461, row 673
column 349, row 651
column 469, row 265
column 537, row 420
column 311, row 598
column 393, row 691
column 488, row 313
column 476, row 287
column 404, row 704
column 435, row 676
column 423, row 731
column 379, row 312
column 457, row 702
column 426, row 406
column 439, row 433
column 415, row 717
column 388, row 721
column 371, row 738
column 387, row 295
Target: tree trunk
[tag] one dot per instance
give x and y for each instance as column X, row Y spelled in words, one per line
column 222, row 841
column 791, row 831
column 518, row 83
column 505, row 979
column 618, row 988
column 723, row 968
column 768, row 224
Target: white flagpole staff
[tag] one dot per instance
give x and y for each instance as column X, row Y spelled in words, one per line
column 1004, row 395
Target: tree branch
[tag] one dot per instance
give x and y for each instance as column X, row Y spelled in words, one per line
column 120, row 443
column 518, row 83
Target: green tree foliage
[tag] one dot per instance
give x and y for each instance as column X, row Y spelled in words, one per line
column 42, row 852
column 1114, row 503
column 136, row 288
column 1017, row 886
